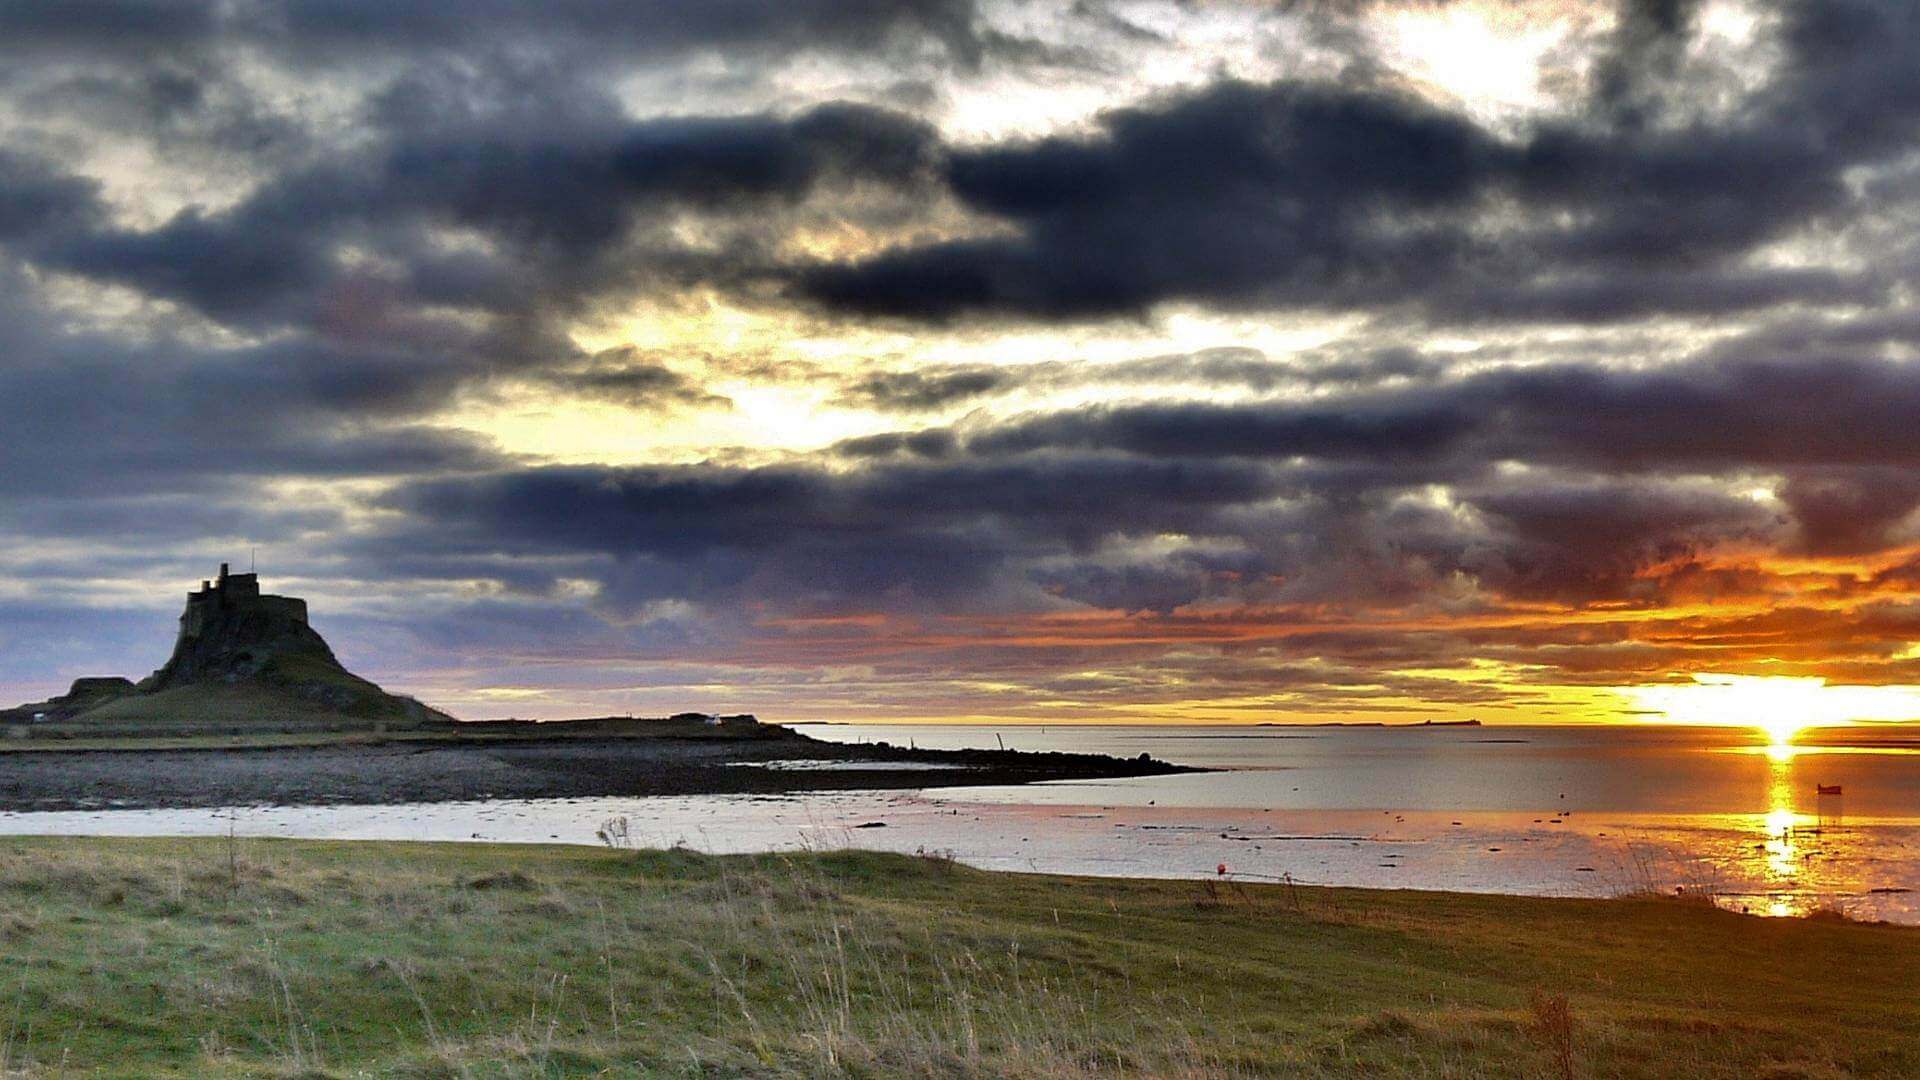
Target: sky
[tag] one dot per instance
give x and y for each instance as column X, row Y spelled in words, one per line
column 1041, row 361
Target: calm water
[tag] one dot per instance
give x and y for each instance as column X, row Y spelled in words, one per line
column 1548, row 811
column 1641, row 770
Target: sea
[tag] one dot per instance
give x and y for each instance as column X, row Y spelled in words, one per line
column 1828, row 822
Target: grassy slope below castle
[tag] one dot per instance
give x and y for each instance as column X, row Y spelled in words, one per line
column 211, row 958
column 292, row 696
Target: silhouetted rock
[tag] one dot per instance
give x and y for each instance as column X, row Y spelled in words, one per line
column 243, row 659
column 230, row 631
column 87, row 692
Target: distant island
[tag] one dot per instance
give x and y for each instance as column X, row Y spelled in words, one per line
column 1370, row 724
column 253, row 708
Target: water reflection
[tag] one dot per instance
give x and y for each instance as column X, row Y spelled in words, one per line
column 1781, row 825
column 1803, row 859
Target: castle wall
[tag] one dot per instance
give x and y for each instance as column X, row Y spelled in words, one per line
column 194, row 619
column 217, row 604
column 286, row 607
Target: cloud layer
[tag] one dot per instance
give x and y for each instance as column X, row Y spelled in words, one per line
column 933, row 358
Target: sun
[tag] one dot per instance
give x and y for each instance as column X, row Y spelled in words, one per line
column 1780, row 730
column 1779, row 707
column 1780, row 733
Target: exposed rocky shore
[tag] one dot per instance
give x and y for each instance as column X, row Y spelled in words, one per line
column 772, row 760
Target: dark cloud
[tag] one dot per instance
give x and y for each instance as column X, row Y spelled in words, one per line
column 1297, row 194
column 1125, row 533
column 1388, row 427
column 931, row 387
column 92, row 416
column 580, row 191
column 237, row 268
column 1707, row 417
column 36, row 198
column 923, row 389
column 556, row 198
column 650, row 27
column 349, row 32
column 90, row 28
column 1569, row 484
column 638, row 386
column 1599, row 299
column 1238, row 194
column 1847, row 511
column 803, row 538
column 1648, row 49
column 1589, row 540
column 932, row 443
column 163, row 520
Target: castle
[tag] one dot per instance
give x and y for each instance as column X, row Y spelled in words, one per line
column 243, row 657
column 231, row 631
column 228, row 593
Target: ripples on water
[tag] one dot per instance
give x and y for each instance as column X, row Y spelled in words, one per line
column 1548, row 811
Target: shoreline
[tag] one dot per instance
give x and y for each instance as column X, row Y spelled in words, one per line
column 534, row 848
column 591, row 761
column 991, row 829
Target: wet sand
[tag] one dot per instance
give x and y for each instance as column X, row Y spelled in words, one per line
column 773, row 762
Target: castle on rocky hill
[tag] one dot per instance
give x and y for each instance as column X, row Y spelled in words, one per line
column 240, row 653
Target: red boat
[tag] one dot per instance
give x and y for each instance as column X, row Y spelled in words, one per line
column 1826, row 789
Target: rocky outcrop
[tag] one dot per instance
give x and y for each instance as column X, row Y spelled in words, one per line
column 87, row 692
column 242, row 657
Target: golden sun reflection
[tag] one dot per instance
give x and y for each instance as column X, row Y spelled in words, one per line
column 1781, row 824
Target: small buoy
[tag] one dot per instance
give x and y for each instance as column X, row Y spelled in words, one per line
column 1221, row 869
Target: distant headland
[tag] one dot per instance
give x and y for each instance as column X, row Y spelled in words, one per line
column 253, row 708
column 1375, row 723
column 242, row 657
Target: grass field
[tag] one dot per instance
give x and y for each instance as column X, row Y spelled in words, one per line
column 309, row 959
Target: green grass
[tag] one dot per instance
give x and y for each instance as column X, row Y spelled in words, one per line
column 297, row 958
column 290, row 691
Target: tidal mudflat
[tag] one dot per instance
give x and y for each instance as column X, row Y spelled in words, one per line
column 1477, row 811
